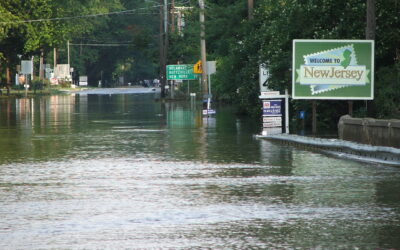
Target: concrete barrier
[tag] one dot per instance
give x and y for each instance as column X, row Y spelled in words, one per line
column 370, row 131
column 341, row 148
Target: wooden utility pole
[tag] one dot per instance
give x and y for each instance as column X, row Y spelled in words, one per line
column 203, row 50
column 161, row 41
column 163, row 44
column 69, row 59
column 55, row 57
column 250, row 4
column 350, row 103
column 8, row 77
column 55, row 61
column 314, row 117
column 41, row 68
column 370, row 29
column 172, row 13
column 371, row 21
column 369, row 35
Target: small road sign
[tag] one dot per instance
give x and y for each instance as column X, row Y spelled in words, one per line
column 198, row 69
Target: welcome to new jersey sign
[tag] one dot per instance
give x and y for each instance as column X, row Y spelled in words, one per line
column 333, row 69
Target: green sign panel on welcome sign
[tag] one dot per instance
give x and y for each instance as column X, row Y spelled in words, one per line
column 181, row 72
column 333, row 69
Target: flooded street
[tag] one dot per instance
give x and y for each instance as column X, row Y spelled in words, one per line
column 130, row 172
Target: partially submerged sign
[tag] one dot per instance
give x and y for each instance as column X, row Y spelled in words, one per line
column 272, row 113
column 333, row 69
column 272, row 108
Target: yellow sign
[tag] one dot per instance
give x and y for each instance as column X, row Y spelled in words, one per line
column 197, row 68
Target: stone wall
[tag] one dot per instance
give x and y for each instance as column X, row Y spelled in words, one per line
column 370, row 131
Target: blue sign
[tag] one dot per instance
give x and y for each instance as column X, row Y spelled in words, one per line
column 209, row 112
column 272, row 108
column 302, row 114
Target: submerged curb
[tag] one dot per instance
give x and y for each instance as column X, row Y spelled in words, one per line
column 341, row 148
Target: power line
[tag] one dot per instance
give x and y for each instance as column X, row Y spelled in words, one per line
column 101, row 44
column 122, row 12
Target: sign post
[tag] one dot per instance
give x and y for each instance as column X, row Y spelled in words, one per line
column 211, row 69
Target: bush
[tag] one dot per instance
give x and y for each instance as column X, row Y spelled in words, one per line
column 64, row 84
column 37, row 84
column 387, row 96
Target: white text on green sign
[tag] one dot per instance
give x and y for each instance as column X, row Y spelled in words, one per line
column 180, row 72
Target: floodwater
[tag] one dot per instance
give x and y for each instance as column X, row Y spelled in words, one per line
column 129, row 172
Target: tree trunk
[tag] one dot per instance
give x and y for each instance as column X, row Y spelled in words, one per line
column 250, row 5
column 8, row 77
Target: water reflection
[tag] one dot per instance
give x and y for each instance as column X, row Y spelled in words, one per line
column 115, row 171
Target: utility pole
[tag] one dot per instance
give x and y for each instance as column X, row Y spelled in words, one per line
column 370, row 30
column 166, row 16
column 250, row 6
column 369, row 35
column 41, row 68
column 163, row 44
column 68, row 52
column 173, row 16
column 314, row 117
column 69, row 61
column 203, row 53
column 55, row 58
column 371, row 22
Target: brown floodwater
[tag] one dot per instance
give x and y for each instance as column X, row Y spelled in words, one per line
column 127, row 171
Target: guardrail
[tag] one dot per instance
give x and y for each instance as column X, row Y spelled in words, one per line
column 341, row 148
column 370, row 131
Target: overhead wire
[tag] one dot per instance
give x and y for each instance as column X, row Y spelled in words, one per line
column 100, row 44
column 122, row 12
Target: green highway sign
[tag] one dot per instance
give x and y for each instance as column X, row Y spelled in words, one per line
column 333, row 69
column 181, row 72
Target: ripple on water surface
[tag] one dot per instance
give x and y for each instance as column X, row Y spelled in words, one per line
column 141, row 203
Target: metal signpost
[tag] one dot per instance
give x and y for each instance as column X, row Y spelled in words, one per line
column 211, row 69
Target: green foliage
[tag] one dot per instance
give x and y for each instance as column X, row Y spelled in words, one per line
column 239, row 45
column 73, row 20
column 388, row 92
